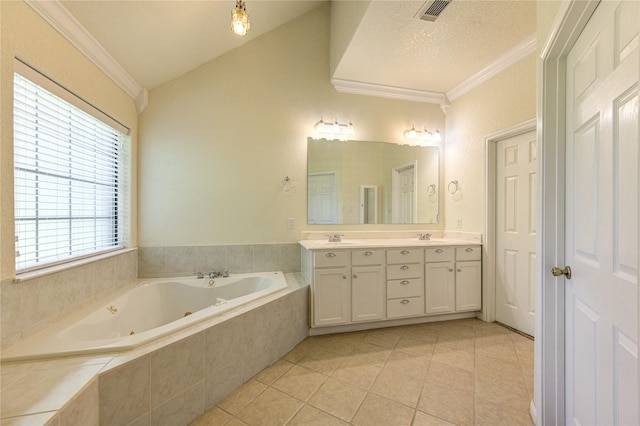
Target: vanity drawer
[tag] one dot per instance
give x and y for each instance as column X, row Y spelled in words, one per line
column 439, row 254
column 409, row 287
column 469, row 253
column 405, row 270
column 405, row 255
column 331, row 258
column 365, row 257
column 405, row 307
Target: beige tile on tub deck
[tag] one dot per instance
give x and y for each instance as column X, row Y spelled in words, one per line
column 125, row 392
column 84, row 408
column 182, row 409
column 45, row 390
column 176, row 368
column 48, row 418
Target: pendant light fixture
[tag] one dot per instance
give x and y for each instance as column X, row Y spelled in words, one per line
column 240, row 19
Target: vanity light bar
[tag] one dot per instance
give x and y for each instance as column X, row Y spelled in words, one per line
column 422, row 135
column 335, row 130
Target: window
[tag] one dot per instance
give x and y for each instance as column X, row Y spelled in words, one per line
column 67, row 178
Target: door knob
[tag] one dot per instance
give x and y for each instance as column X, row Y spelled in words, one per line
column 557, row 272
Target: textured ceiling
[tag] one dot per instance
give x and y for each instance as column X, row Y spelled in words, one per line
column 157, row 41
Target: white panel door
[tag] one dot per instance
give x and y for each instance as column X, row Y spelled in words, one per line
column 321, row 198
column 516, row 192
column 601, row 229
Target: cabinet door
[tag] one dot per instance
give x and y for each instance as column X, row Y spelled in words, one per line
column 331, row 296
column 468, row 286
column 439, row 279
column 368, row 299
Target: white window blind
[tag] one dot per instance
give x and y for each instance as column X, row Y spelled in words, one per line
column 67, row 179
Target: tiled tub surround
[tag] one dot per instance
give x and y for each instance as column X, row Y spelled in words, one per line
column 32, row 303
column 157, row 262
column 168, row 382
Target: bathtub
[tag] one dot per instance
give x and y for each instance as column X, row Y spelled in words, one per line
column 153, row 309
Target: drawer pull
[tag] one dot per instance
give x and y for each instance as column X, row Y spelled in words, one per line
column 344, row 277
column 450, row 270
column 355, row 275
column 468, row 249
column 367, row 253
column 404, row 252
column 404, row 267
column 459, row 270
column 404, row 282
column 330, row 254
column 439, row 250
column 404, row 302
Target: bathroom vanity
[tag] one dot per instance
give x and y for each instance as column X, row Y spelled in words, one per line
column 376, row 282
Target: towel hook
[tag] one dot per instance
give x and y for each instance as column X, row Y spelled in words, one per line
column 453, row 184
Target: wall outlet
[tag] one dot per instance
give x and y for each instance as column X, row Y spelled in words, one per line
column 459, row 223
column 291, row 223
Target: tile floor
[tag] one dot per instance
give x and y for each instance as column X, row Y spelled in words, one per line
column 463, row 372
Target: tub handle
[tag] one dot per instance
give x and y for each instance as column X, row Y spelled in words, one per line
column 330, row 254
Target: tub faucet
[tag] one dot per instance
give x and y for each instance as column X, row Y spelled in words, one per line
column 335, row 238
column 426, row 236
column 214, row 274
column 226, row 274
column 199, row 275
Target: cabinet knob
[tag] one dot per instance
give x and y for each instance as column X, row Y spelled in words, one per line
column 404, row 267
column 404, row 252
column 330, row 254
column 468, row 249
column 344, row 277
column 367, row 253
column 439, row 250
column 459, row 270
column 355, row 275
column 450, row 270
column 404, row 282
column 404, row 302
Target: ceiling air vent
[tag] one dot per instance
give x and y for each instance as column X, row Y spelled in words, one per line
column 432, row 9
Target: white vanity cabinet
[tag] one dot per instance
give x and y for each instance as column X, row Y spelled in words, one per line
column 405, row 282
column 368, row 295
column 440, row 285
column 468, row 278
column 331, row 287
column 379, row 283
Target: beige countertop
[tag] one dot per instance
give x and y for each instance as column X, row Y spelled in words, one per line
column 349, row 243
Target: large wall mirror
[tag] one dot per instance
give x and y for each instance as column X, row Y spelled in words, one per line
column 353, row 182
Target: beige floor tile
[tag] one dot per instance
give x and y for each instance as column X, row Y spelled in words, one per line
column 300, row 382
column 361, row 375
column 415, row 346
column 242, row 396
column 452, row 405
column 368, row 354
column 312, row 416
column 491, row 414
column 322, row 360
column 451, row 376
column 378, row 411
column 503, row 352
column 274, row 371
column 342, row 343
column 408, row 364
column 424, row 419
column 427, row 332
column 301, row 350
column 457, row 341
column 386, row 337
column 271, row 407
column 338, row 399
column 452, row 356
column 213, row 417
column 398, row 387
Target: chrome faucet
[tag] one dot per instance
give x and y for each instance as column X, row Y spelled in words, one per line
column 199, row 275
column 335, row 238
column 424, row 237
column 216, row 274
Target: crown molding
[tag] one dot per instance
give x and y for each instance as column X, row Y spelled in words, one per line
column 68, row 26
column 358, row 88
column 513, row 55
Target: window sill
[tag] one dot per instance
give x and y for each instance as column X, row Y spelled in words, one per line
column 26, row 276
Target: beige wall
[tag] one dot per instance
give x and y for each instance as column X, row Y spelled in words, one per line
column 507, row 99
column 24, row 34
column 216, row 143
